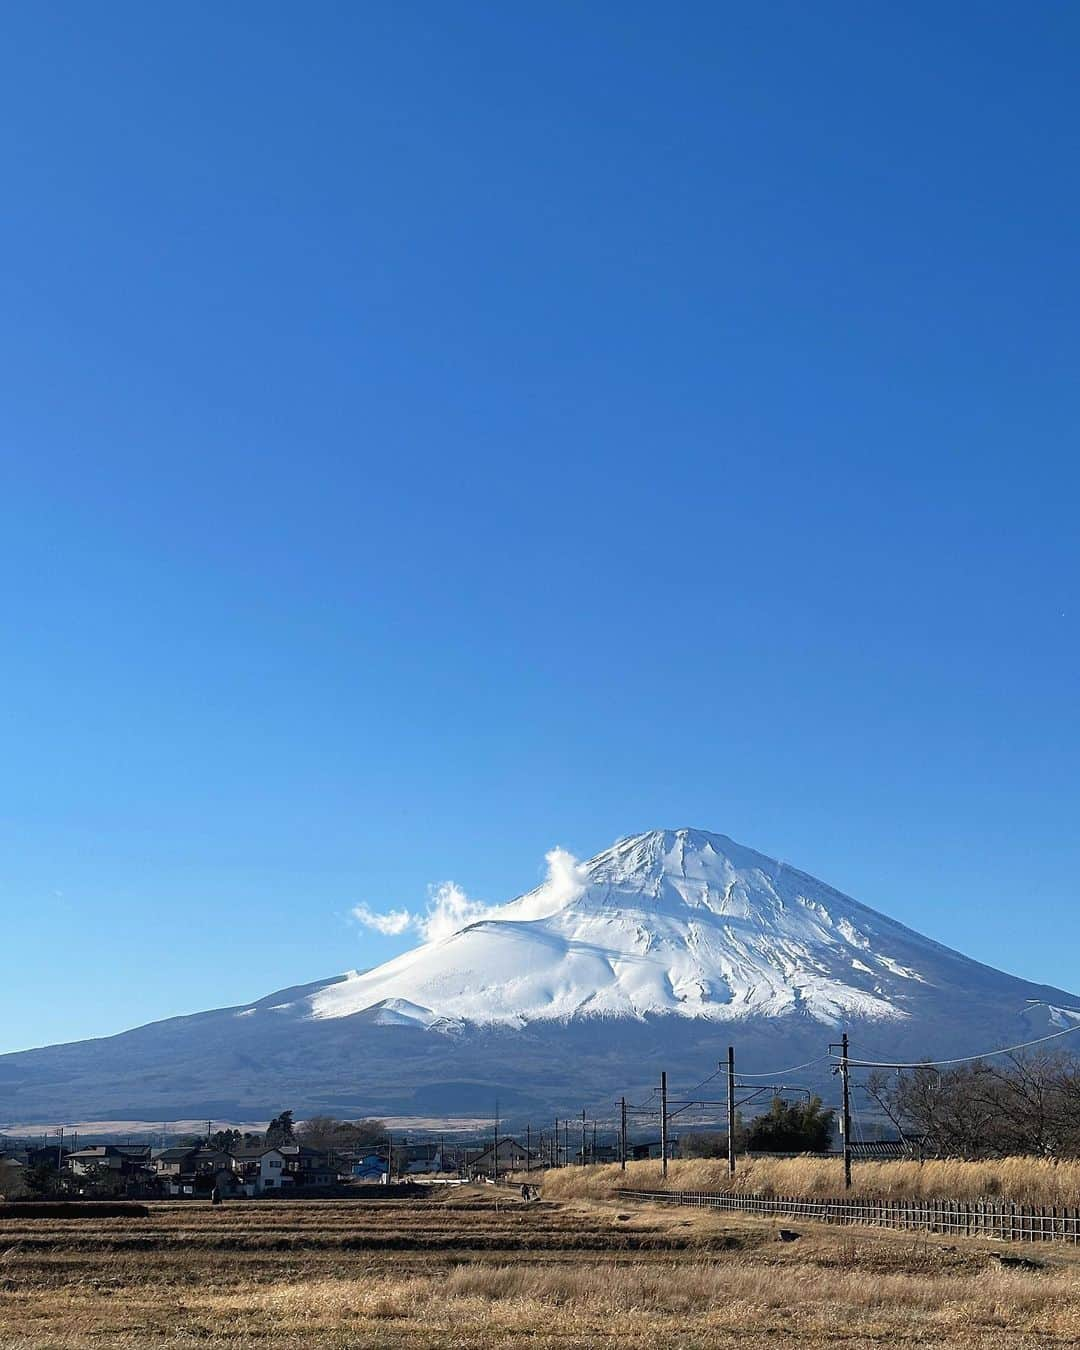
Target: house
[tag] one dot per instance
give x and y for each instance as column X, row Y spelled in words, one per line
column 603, row 1153
column 175, row 1162
column 510, row 1157
column 651, row 1149
column 371, row 1168
column 194, row 1171
column 261, row 1169
column 308, row 1166
column 123, row 1158
column 420, row 1159
column 11, row 1169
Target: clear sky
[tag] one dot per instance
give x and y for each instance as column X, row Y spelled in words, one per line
column 436, row 432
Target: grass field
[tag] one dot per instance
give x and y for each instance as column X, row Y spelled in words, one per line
column 1036, row 1181
column 476, row 1268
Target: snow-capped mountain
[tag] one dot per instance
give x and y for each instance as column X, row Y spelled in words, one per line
column 657, row 952
column 677, row 921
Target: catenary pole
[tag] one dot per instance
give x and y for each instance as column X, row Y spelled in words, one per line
column 663, row 1123
column 846, row 1081
column 731, row 1110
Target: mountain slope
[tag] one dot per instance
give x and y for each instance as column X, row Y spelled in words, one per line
column 680, row 922
column 655, row 953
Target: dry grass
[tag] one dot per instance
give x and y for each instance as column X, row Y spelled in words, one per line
column 475, row 1270
column 1036, row 1181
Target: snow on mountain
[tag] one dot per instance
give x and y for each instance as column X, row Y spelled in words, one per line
column 657, row 953
column 681, row 922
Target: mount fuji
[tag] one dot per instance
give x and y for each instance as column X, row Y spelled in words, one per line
column 656, row 953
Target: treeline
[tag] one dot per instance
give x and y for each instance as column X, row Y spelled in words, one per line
column 800, row 1127
column 321, row 1132
column 1022, row 1105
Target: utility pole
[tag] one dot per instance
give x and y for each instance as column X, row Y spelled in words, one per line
column 583, row 1136
column 622, row 1133
column 528, row 1149
column 594, row 1143
column 495, row 1151
column 731, row 1110
column 845, row 1080
column 663, row 1123
column 60, row 1151
column 566, row 1142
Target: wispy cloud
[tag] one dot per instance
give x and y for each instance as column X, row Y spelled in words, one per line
column 448, row 909
column 566, row 877
column 392, row 923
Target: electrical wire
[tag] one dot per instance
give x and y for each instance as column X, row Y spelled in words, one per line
column 707, row 1080
column 960, row 1059
column 779, row 1073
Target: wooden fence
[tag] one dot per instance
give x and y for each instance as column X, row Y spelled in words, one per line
column 966, row 1218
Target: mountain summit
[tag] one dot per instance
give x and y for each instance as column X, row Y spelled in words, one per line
column 656, row 953
column 673, row 921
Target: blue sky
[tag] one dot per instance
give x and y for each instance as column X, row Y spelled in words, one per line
column 431, row 434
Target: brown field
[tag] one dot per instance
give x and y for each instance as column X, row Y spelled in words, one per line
column 1035, row 1181
column 475, row 1268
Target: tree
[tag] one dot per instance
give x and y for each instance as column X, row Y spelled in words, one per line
column 280, row 1130
column 43, row 1181
column 711, row 1143
column 327, row 1132
column 1019, row 1105
column 101, row 1183
column 225, row 1140
column 803, row 1128
column 12, row 1181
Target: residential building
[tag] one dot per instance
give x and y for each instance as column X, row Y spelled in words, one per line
column 511, row 1157
column 123, row 1158
column 260, row 1168
column 372, row 1167
column 308, row 1166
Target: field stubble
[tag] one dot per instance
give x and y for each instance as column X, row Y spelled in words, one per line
column 476, row 1268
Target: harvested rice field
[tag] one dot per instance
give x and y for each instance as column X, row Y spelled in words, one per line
column 475, row 1267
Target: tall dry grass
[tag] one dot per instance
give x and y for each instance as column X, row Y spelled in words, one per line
column 1034, row 1181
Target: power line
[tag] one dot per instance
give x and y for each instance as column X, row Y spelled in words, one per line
column 706, row 1080
column 779, row 1073
column 960, row 1059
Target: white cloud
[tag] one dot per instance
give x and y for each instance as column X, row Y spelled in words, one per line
column 566, row 877
column 448, row 909
column 390, row 925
